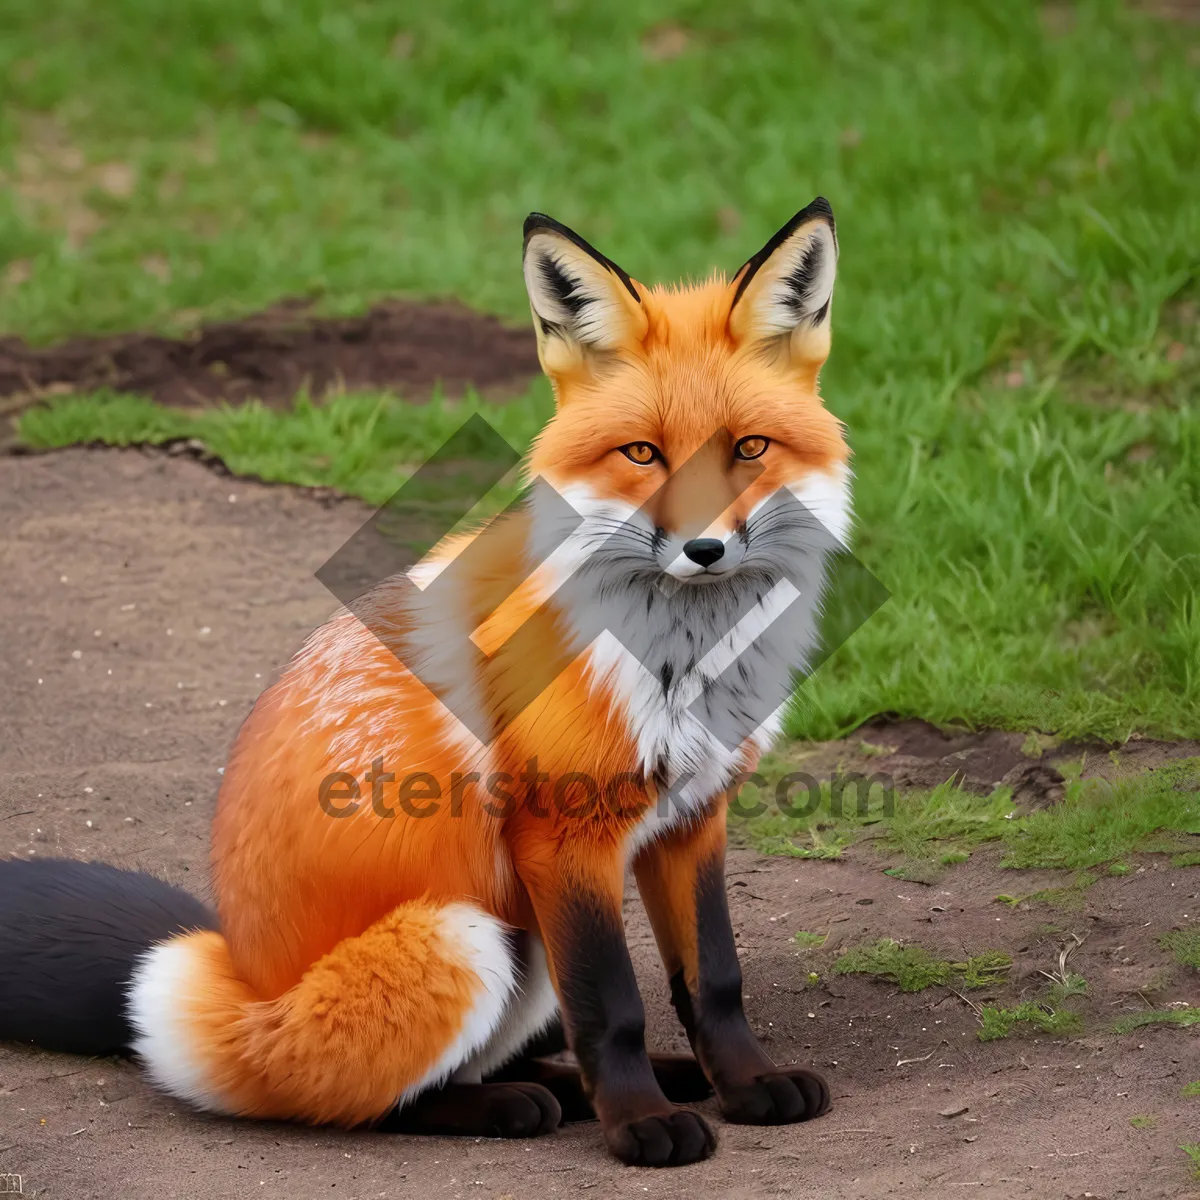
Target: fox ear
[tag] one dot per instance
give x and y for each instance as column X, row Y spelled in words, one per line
column 786, row 289
column 582, row 302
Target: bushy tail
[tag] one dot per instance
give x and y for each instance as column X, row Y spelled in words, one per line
column 71, row 934
column 95, row 960
column 381, row 1017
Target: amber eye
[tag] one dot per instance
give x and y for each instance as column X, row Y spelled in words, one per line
column 642, row 453
column 751, row 447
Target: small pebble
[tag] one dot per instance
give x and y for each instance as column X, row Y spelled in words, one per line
column 77, row 654
column 955, row 1110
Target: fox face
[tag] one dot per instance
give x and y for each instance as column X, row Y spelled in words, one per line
column 705, row 487
column 689, row 433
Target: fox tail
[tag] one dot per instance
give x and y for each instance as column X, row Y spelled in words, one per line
column 71, row 936
column 96, row 960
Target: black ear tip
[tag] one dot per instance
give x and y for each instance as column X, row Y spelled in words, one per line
column 536, row 221
column 540, row 223
column 819, row 207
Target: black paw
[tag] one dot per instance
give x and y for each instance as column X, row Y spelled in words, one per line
column 777, row 1098
column 521, row 1110
column 668, row 1141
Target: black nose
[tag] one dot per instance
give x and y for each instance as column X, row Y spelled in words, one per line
column 704, row 551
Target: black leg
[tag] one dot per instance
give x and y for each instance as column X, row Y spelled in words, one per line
column 751, row 1088
column 577, row 901
column 499, row 1110
column 682, row 880
column 679, row 1075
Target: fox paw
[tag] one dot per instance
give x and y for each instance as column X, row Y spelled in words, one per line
column 777, row 1098
column 522, row 1110
column 664, row 1141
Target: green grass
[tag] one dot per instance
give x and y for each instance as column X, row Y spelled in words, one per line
column 808, row 939
column 1019, row 234
column 1191, row 1089
column 366, row 444
column 1185, row 945
column 1097, row 822
column 1069, row 897
column 1100, row 821
column 1053, row 1013
column 1183, row 1017
column 1027, row 1017
column 1142, row 1122
column 913, row 969
column 1192, row 1150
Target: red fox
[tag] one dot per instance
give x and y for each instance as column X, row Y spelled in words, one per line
column 409, row 914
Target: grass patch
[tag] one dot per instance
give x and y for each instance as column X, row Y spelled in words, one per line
column 361, row 443
column 1028, row 1017
column 1006, row 348
column 1100, row 822
column 1097, row 822
column 1183, row 1017
column 1185, row 945
column 1192, row 1150
column 785, row 812
column 1142, row 1122
column 1051, row 1014
column 1070, row 897
column 913, row 969
column 808, row 939
column 1190, row 1089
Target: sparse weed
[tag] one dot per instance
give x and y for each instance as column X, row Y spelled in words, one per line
column 1183, row 1017
column 1185, row 945
column 913, row 968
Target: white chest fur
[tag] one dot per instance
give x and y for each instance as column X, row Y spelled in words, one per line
column 701, row 672
column 701, row 691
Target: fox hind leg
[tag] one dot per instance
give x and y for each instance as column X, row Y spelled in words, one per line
column 469, row 1106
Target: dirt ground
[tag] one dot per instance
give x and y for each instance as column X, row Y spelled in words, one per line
column 146, row 602
column 270, row 356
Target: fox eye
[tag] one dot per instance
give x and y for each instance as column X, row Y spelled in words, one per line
column 751, row 447
column 642, row 453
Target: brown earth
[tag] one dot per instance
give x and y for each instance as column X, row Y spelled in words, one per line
column 401, row 346
column 146, row 603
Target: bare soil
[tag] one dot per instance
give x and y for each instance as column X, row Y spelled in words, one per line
column 402, row 346
column 148, row 600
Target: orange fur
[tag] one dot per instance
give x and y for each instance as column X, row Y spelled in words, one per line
column 304, row 1054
